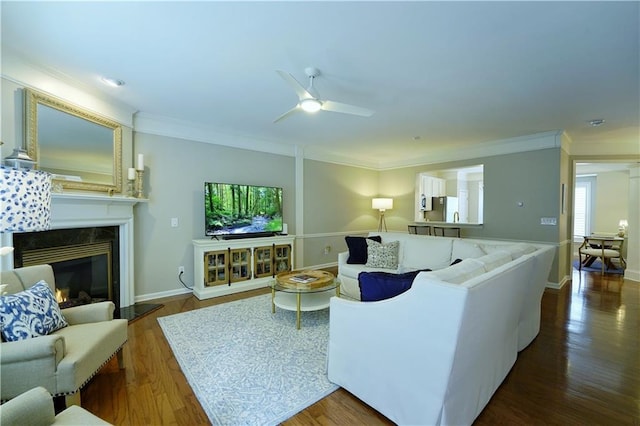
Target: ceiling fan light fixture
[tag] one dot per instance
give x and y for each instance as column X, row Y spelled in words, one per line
column 310, row 105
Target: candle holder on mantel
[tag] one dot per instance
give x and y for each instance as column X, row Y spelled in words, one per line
column 131, row 187
column 139, row 186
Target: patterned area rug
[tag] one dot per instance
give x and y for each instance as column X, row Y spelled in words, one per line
column 248, row 366
column 596, row 267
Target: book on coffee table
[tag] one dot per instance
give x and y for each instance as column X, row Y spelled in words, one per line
column 303, row 278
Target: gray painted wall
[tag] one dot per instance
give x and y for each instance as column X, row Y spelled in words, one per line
column 530, row 177
column 176, row 170
column 337, row 202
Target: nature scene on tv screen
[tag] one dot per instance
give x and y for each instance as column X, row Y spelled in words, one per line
column 242, row 209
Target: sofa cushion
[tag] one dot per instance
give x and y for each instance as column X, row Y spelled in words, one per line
column 495, row 259
column 358, row 249
column 462, row 249
column 383, row 285
column 420, row 252
column 516, row 250
column 382, row 255
column 460, row 272
column 30, row 313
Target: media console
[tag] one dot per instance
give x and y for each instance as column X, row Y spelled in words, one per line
column 224, row 267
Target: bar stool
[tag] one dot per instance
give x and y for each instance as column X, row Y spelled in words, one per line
column 442, row 231
column 424, row 230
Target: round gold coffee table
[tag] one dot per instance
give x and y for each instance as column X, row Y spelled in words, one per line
column 288, row 288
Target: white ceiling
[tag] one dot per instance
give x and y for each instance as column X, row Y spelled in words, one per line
column 440, row 75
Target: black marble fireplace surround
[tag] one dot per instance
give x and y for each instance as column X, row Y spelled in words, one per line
column 86, row 275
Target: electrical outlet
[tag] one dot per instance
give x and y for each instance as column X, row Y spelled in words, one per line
column 174, row 222
column 180, row 270
column 327, row 249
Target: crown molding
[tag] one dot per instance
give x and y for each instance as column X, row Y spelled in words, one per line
column 534, row 142
column 62, row 86
column 165, row 126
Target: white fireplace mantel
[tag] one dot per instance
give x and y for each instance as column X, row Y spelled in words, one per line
column 82, row 210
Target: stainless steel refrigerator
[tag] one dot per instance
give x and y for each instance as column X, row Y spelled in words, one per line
column 443, row 209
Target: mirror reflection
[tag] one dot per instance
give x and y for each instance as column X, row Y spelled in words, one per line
column 80, row 149
column 452, row 195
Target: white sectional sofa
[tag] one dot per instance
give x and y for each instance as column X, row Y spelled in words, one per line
column 436, row 353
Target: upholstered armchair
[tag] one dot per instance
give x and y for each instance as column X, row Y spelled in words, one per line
column 35, row 407
column 64, row 360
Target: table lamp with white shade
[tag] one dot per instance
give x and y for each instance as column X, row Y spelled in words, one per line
column 382, row 204
column 622, row 227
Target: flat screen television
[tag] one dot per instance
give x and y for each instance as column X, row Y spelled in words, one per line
column 237, row 211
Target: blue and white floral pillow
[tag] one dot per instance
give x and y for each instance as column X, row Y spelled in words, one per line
column 30, row 313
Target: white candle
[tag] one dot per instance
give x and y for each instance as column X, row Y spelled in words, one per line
column 140, row 164
column 131, row 173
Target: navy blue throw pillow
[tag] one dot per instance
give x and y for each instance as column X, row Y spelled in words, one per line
column 383, row 285
column 358, row 249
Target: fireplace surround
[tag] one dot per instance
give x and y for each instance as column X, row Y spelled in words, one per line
column 81, row 212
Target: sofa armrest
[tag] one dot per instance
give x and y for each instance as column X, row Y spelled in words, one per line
column 93, row 312
column 343, row 257
column 396, row 354
column 35, row 348
column 34, row 407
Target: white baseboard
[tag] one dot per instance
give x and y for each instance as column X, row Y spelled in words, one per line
column 558, row 286
column 161, row 294
column 322, row 266
column 632, row 275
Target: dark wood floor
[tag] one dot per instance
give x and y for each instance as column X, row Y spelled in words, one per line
column 582, row 369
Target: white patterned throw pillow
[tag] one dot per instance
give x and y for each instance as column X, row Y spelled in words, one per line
column 30, row 313
column 382, row 255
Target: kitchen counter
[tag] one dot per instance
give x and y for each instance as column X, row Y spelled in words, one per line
column 448, row 224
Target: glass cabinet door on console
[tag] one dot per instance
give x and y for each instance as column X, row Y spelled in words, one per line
column 240, row 264
column 263, row 261
column 224, row 267
column 216, row 268
column 282, row 259
column 270, row 260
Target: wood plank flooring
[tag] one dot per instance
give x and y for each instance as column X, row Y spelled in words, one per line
column 583, row 368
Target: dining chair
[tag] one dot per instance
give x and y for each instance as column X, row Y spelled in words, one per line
column 603, row 247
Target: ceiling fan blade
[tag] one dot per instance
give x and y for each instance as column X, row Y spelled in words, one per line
column 292, row 111
column 346, row 108
column 299, row 89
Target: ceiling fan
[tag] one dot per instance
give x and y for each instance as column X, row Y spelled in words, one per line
column 310, row 101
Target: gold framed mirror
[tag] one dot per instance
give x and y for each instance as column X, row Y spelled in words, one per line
column 81, row 149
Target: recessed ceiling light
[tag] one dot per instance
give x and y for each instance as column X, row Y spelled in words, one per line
column 113, row 82
column 596, row 122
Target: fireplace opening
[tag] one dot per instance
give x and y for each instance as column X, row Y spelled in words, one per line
column 84, row 261
column 84, row 279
